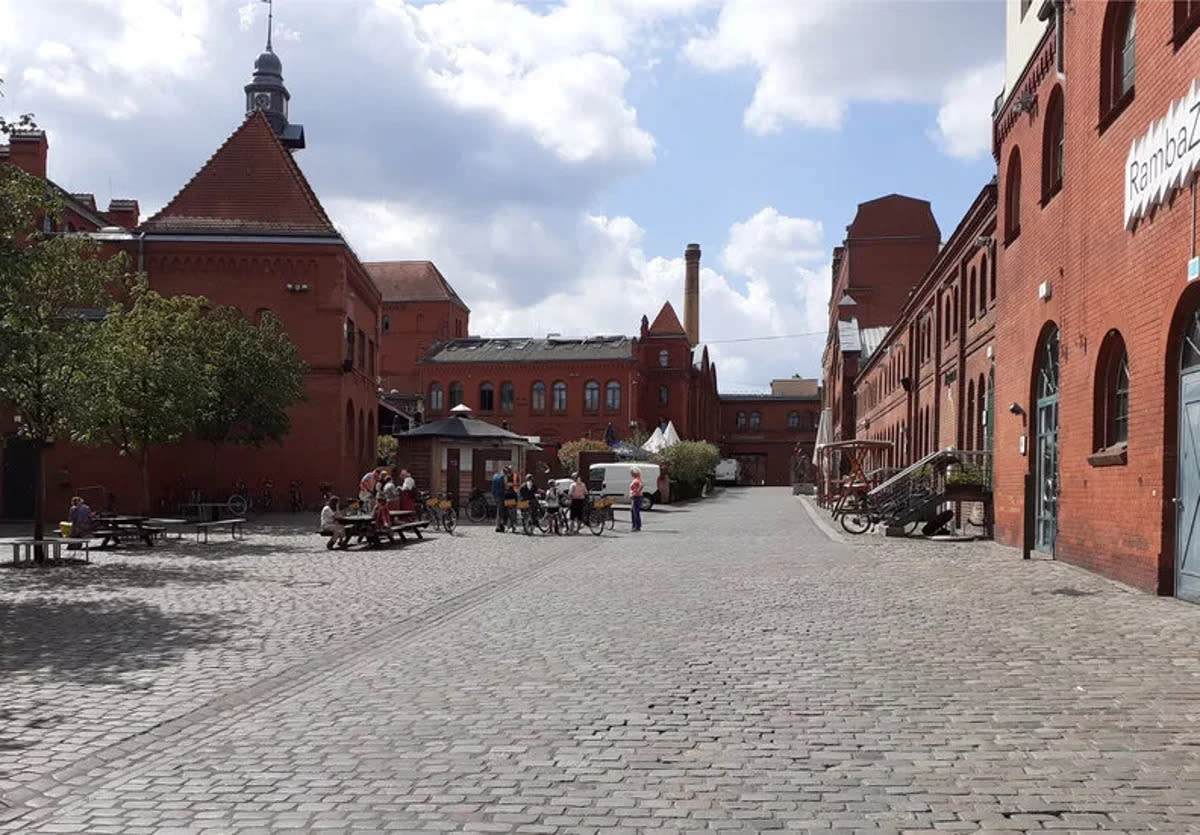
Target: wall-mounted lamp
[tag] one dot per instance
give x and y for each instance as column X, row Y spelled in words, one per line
column 1016, row 409
column 984, row 240
column 1024, row 103
column 297, row 288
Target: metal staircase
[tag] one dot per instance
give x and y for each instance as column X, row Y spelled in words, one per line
column 946, row 475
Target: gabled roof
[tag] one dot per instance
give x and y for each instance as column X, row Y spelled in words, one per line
column 250, row 186
column 411, row 281
column 520, row 349
column 666, row 322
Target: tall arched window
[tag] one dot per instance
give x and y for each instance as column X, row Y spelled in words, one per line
column 664, row 394
column 969, row 418
column 755, row 420
column 983, row 285
column 435, row 398
column 387, row 323
column 487, row 397
column 1118, row 58
column 1053, row 136
column 741, row 420
column 793, row 420
column 558, row 397
column 664, row 358
column 456, row 394
column 507, row 395
column 591, row 396
column 1111, row 409
column 537, row 397
column 971, row 293
column 612, row 396
column 1012, row 196
column 981, row 421
column 992, row 280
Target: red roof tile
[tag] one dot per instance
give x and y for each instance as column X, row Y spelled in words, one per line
column 407, row 281
column 250, row 186
column 666, row 321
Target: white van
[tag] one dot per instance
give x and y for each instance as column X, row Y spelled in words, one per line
column 613, row 480
column 728, row 471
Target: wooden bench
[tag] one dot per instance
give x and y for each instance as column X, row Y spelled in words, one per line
column 114, row 536
column 415, row 526
column 53, row 547
column 233, row 524
column 374, row 537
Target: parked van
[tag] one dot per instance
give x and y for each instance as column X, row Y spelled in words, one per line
column 728, row 471
column 613, row 480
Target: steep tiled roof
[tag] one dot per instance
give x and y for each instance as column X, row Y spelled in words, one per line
column 410, row 281
column 531, row 350
column 666, row 321
column 250, row 186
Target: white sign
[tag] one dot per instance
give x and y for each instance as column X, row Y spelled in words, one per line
column 1164, row 157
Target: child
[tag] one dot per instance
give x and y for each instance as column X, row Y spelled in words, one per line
column 331, row 526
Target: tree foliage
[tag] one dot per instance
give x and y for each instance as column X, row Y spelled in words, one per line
column 568, row 453
column 690, row 462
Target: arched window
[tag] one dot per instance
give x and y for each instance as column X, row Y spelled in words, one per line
column 591, row 396
column 507, row 394
column 664, row 358
column 971, row 294
column 969, row 422
column 387, row 323
column 664, row 394
column 558, row 396
column 435, row 398
column 1012, row 197
column 981, row 420
column 456, row 394
column 362, row 437
column 992, row 280
column 612, row 396
column 983, row 285
column 487, row 397
column 755, row 420
column 1118, row 59
column 793, row 420
column 741, row 420
column 350, row 428
column 537, row 397
column 1187, row 20
column 1053, row 136
column 1111, row 410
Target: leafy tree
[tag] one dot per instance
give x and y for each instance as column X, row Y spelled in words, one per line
column 254, row 374
column 49, row 287
column 568, row 453
column 690, row 462
column 386, row 449
column 148, row 379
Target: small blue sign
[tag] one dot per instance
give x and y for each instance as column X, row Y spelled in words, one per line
column 1193, row 269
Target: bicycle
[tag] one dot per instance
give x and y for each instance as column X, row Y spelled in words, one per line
column 238, row 502
column 295, row 498
column 481, row 506
column 267, row 498
column 441, row 513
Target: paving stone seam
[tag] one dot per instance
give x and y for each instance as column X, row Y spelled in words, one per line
column 123, row 759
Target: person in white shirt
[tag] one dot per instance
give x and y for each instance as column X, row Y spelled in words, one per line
column 331, row 526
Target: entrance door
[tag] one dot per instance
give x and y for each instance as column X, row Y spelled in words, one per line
column 1045, row 464
column 1187, row 489
column 453, row 481
column 18, row 477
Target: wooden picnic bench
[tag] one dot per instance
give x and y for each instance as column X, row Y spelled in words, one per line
column 169, row 526
column 112, row 530
column 234, row 526
column 25, row 547
column 362, row 526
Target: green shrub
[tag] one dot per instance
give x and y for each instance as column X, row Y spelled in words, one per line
column 568, row 453
column 690, row 462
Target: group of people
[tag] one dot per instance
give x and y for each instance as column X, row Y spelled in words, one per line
column 378, row 494
column 505, row 488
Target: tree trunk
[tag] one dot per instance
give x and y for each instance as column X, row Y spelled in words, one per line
column 144, row 455
column 39, row 502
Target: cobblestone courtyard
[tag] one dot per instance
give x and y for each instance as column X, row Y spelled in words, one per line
column 731, row 668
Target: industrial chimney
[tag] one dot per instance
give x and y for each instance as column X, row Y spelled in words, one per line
column 691, row 294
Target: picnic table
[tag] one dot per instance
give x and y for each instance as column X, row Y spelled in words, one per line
column 112, row 529
column 362, row 526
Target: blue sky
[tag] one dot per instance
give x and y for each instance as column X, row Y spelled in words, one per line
column 553, row 158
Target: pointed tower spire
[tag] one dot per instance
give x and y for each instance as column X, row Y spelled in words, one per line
column 266, row 91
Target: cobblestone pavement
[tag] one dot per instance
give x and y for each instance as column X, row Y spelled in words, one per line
column 729, row 669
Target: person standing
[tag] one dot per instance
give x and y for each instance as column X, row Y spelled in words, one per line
column 408, row 491
column 499, row 482
column 635, row 494
column 578, row 496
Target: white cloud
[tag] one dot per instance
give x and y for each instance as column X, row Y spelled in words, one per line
column 964, row 124
column 814, row 58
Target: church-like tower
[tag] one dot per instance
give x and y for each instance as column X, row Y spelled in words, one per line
column 266, row 92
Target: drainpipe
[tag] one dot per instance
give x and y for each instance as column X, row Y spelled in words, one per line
column 141, row 251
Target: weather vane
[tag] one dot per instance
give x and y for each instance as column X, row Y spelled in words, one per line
column 270, row 20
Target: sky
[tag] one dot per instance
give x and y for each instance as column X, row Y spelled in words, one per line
column 552, row 157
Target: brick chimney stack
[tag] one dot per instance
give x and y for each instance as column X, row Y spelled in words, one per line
column 123, row 213
column 691, row 294
column 27, row 150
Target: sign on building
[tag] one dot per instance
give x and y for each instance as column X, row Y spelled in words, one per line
column 1164, row 157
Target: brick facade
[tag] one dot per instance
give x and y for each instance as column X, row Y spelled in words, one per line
column 772, row 436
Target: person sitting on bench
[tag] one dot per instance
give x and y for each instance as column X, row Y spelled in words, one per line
column 329, row 524
column 81, row 521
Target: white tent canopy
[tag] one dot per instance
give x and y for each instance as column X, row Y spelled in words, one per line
column 670, row 436
column 655, row 442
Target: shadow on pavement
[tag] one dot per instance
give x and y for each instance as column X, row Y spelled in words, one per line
column 114, row 577
column 97, row 642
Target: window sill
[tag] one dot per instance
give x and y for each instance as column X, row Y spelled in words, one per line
column 1115, row 111
column 1116, row 455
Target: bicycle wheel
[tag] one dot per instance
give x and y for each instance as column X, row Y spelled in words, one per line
column 477, row 510
column 612, row 518
column 856, row 521
column 238, row 504
column 543, row 521
column 448, row 521
column 596, row 522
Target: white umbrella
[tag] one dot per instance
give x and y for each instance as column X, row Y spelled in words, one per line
column 655, row 442
column 670, row 436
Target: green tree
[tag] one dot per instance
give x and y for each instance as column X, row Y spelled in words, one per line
column 253, row 376
column 148, row 381
column 51, row 289
column 568, row 453
column 690, row 462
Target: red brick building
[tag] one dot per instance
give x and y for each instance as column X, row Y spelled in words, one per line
column 888, row 247
column 1096, row 324
column 772, row 435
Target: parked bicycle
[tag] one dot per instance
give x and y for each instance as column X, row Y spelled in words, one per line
column 441, row 512
column 295, row 497
column 238, row 502
column 481, row 505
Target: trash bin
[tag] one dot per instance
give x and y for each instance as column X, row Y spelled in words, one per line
column 64, row 528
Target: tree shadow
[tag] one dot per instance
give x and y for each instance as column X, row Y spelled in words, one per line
column 97, row 642
column 112, row 576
